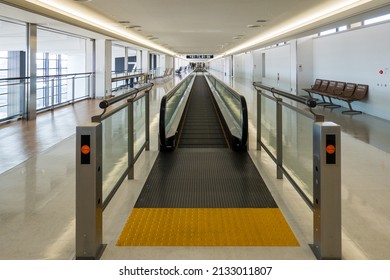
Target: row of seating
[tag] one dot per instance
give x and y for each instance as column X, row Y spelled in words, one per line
column 347, row 92
column 181, row 69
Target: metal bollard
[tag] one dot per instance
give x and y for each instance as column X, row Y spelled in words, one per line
column 89, row 210
column 327, row 191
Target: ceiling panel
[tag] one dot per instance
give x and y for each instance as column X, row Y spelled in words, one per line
column 200, row 26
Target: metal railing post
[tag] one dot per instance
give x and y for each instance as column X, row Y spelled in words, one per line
column 147, row 121
column 52, row 93
column 130, row 143
column 279, row 139
column 73, row 88
column 89, row 210
column 258, row 120
column 326, row 190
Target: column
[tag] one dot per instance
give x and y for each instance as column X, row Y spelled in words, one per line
column 31, row 105
column 103, row 67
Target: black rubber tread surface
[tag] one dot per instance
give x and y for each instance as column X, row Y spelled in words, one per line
column 201, row 127
column 204, row 178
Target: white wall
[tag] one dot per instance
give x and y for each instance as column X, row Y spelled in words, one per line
column 304, row 64
column 357, row 56
column 257, row 66
column 168, row 61
column 354, row 56
column 218, row 65
column 243, row 66
column 277, row 67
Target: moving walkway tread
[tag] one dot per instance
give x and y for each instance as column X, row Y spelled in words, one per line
column 201, row 127
column 205, row 178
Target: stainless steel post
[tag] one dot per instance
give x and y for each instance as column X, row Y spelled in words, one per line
column 73, row 88
column 52, row 93
column 279, row 138
column 89, row 210
column 258, row 120
column 130, row 143
column 326, row 190
column 147, row 121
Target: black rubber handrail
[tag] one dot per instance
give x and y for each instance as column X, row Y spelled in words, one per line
column 308, row 102
column 241, row 144
column 108, row 102
column 164, row 101
column 244, row 133
column 161, row 126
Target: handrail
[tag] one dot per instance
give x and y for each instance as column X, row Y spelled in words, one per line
column 47, row 76
column 110, row 101
column 165, row 143
column 241, row 142
column 173, row 90
column 245, row 125
column 308, row 102
column 125, row 77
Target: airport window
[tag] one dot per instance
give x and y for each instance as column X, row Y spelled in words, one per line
column 62, row 63
column 327, row 32
column 377, row 19
column 3, row 64
column 356, row 24
column 3, row 89
column 51, row 88
column 12, row 65
column 342, row 28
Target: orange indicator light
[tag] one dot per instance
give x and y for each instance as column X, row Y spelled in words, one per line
column 85, row 149
column 330, row 149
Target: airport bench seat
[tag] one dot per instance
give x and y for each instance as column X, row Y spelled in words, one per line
column 347, row 92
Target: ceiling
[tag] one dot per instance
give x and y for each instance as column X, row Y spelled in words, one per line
column 202, row 26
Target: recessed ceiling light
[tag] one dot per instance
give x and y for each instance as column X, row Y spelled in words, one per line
column 253, row 26
column 124, row 21
column 261, row 20
column 134, row 26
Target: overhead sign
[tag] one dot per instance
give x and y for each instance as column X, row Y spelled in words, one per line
column 200, row 56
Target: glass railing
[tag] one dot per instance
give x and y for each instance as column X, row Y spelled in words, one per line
column 171, row 110
column 286, row 134
column 125, row 134
column 234, row 110
column 51, row 91
column 12, row 96
column 125, row 81
column 55, row 90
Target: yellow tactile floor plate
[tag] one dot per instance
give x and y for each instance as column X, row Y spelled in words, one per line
column 207, row 227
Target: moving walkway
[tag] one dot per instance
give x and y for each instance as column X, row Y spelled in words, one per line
column 202, row 112
column 199, row 192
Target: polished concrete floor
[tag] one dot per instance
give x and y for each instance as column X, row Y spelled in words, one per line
column 37, row 189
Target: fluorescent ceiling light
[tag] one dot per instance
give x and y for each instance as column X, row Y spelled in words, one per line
column 318, row 15
column 80, row 13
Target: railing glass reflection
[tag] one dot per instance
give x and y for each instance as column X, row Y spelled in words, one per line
column 125, row 136
column 285, row 132
column 234, row 110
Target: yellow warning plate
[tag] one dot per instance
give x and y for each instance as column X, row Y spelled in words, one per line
column 207, row 227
